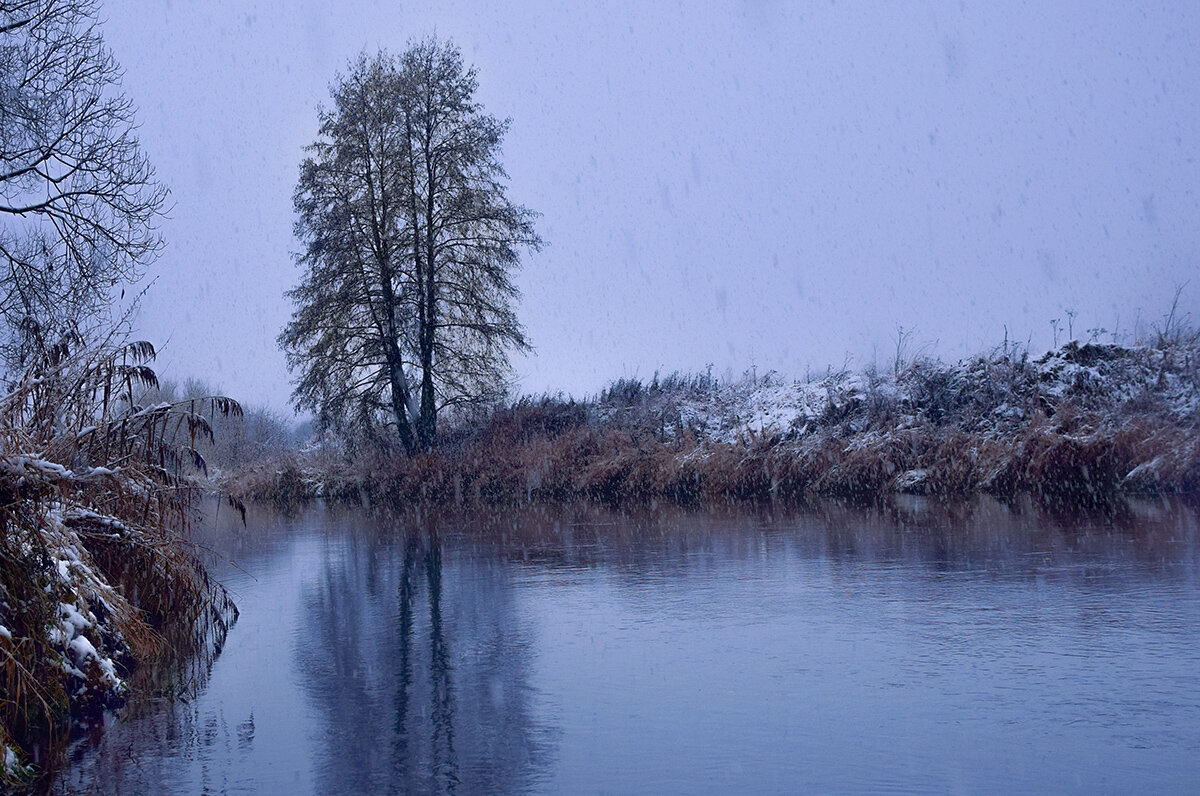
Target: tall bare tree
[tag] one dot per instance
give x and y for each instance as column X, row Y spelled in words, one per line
column 409, row 244
column 78, row 199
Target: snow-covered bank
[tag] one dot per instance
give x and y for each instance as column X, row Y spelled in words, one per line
column 95, row 576
column 1083, row 423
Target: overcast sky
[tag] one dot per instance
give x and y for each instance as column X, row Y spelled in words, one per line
column 736, row 183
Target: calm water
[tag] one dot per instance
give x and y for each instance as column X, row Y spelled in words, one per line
column 918, row 647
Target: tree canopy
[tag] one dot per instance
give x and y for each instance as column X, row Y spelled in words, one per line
column 78, row 199
column 409, row 244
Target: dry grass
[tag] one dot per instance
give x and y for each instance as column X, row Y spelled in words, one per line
column 96, row 574
column 1077, row 425
column 616, row 464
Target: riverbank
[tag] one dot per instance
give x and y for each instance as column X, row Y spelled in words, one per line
column 1080, row 424
column 96, row 576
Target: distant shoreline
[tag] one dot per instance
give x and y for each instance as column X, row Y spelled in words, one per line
column 1081, row 424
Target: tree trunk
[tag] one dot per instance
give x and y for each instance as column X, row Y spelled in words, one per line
column 401, row 397
column 429, row 290
column 428, row 424
column 401, row 404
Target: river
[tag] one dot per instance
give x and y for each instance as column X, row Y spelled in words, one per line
column 911, row 647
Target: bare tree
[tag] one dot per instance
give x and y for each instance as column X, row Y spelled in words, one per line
column 78, row 199
column 409, row 245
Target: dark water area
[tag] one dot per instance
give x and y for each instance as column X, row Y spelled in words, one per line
column 912, row 647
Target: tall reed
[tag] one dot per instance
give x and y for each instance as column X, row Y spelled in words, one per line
column 96, row 574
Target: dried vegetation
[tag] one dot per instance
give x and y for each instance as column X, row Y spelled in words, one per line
column 1079, row 424
column 96, row 577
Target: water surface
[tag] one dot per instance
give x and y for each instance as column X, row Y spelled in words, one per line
column 912, row 647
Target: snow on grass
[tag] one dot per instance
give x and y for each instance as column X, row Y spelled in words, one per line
column 13, row 771
column 992, row 393
column 1083, row 421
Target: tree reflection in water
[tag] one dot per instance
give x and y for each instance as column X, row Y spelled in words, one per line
column 443, row 767
column 425, row 692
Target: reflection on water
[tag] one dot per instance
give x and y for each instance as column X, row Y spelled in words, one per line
column 915, row 645
column 418, row 668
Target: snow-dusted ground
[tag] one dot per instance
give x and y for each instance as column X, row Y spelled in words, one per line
column 993, row 394
column 1019, row 421
column 83, row 636
column 67, row 629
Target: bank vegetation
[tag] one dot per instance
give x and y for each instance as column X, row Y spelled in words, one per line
column 1083, row 423
column 97, row 577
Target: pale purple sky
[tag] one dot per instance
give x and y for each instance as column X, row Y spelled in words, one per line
column 739, row 183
